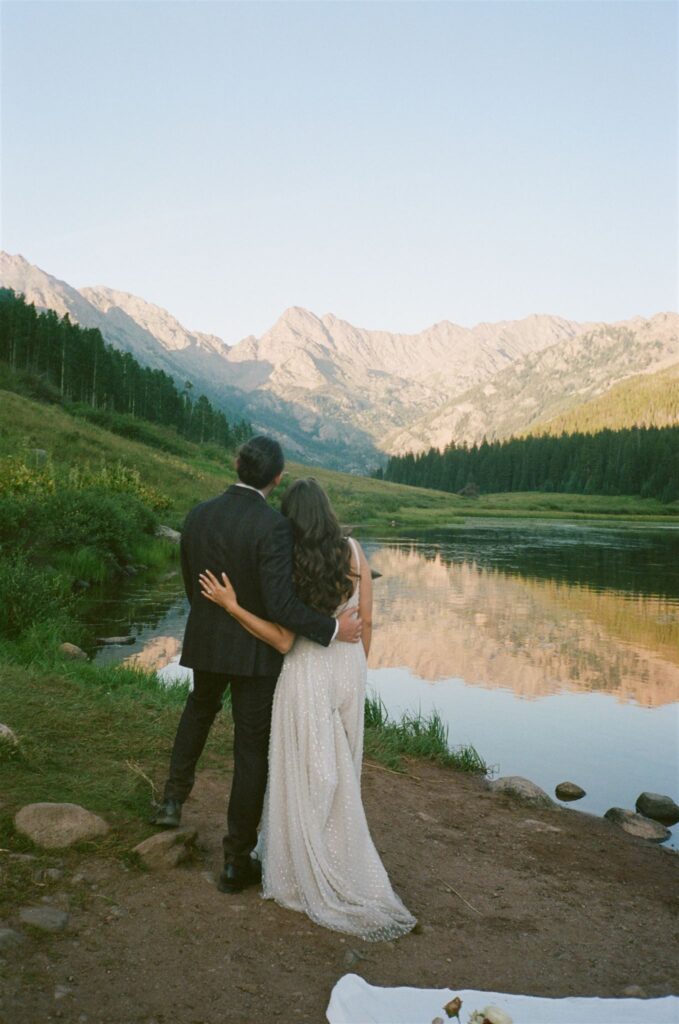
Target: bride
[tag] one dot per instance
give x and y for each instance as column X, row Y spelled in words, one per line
column 315, row 845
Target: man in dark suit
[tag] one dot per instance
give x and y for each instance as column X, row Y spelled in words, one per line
column 240, row 534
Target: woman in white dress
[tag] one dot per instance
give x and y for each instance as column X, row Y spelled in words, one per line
column 315, row 845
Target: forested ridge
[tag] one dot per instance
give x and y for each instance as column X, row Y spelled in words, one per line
column 638, row 460
column 644, row 400
column 78, row 368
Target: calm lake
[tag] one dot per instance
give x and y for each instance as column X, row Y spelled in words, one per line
column 553, row 648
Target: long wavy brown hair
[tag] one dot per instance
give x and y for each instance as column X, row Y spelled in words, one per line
column 322, row 564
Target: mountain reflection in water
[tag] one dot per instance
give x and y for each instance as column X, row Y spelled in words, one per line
column 444, row 616
column 478, row 622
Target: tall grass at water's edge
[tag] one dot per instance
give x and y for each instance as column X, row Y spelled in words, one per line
column 414, row 735
column 100, row 736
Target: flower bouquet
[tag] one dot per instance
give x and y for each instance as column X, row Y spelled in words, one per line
column 489, row 1015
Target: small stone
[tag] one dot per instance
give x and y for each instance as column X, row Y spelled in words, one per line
column 569, row 791
column 9, row 938
column 634, row 992
column 73, row 651
column 660, row 808
column 8, row 736
column 169, row 534
column 51, row 875
column 245, row 986
column 54, row 826
column 46, row 919
column 352, row 957
column 637, row 825
column 61, row 991
column 116, row 640
column 167, row 849
column 521, row 789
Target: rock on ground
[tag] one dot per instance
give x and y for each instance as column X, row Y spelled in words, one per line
column 522, row 789
column 637, row 825
column 47, row 919
column 8, row 736
column 569, row 791
column 659, row 807
column 54, row 826
column 167, row 849
column 169, row 534
column 9, row 938
column 73, row 651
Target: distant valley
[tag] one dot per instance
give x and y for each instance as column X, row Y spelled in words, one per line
column 342, row 396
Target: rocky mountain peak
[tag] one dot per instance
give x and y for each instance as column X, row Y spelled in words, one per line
column 340, row 393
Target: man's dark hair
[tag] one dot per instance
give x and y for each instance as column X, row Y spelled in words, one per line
column 259, row 460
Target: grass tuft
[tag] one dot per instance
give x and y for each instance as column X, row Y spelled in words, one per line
column 414, row 735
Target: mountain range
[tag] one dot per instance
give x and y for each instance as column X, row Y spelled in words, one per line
column 343, row 396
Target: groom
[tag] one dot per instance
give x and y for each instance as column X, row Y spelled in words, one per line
column 240, row 534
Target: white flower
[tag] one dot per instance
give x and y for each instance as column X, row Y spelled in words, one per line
column 490, row 1015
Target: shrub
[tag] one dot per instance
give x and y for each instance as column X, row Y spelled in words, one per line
column 117, row 479
column 164, row 438
column 17, row 478
column 105, row 522
column 29, row 595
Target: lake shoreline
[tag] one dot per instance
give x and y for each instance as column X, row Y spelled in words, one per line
column 501, row 891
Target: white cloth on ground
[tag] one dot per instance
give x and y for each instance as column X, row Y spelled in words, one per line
column 354, row 1001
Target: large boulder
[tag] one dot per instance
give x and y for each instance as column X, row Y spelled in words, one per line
column 167, row 849
column 659, row 807
column 637, row 825
column 54, row 826
column 521, row 789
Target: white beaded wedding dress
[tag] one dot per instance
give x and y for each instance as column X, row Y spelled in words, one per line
column 315, row 845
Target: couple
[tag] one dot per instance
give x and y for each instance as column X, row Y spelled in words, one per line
column 253, row 595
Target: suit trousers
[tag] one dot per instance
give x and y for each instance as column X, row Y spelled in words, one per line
column 251, row 704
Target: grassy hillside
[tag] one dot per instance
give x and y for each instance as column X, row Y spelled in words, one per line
column 188, row 473
column 645, row 400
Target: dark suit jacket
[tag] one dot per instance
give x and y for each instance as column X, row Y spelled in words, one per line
column 240, row 534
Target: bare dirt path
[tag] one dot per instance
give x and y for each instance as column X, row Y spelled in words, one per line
column 549, row 902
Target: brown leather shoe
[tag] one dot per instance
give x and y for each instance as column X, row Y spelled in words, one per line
column 238, row 876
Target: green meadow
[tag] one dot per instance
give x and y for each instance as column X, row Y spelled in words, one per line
column 185, row 473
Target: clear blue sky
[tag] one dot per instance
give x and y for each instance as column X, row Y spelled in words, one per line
column 393, row 163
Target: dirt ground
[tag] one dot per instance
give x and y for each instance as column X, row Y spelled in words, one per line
column 550, row 902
